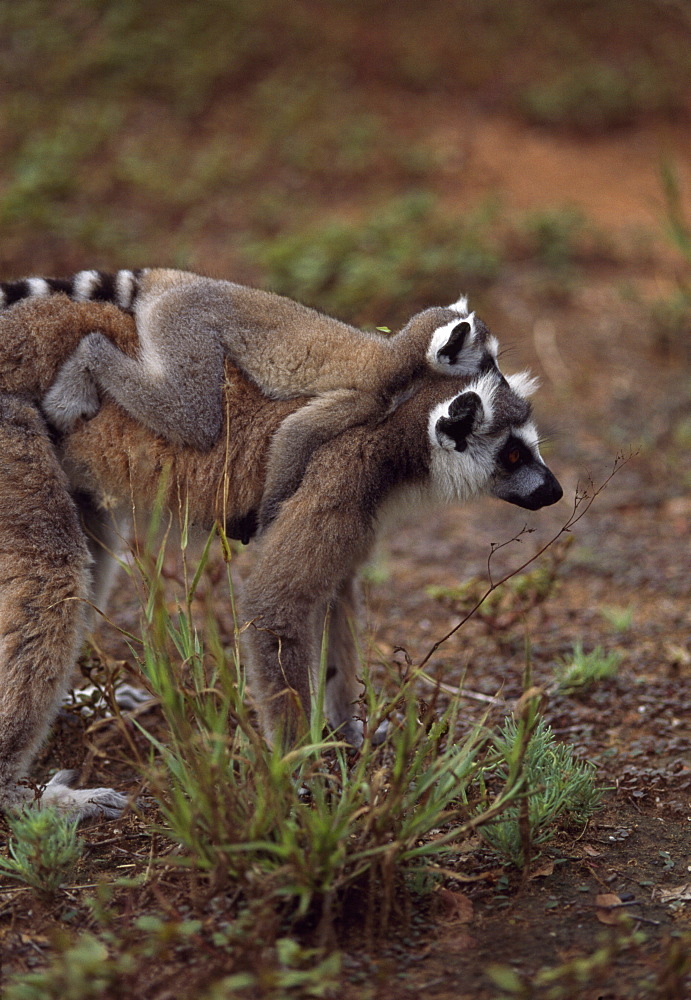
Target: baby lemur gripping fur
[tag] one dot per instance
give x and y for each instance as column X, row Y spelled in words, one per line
column 188, row 325
column 62, row 503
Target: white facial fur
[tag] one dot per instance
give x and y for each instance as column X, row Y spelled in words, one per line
column 458, row 475
column 460, row 305
column 472, row 352
column 523, row 383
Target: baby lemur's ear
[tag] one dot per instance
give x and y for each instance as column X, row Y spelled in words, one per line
column 459, row 335
column 455, row 420
column 463, row 346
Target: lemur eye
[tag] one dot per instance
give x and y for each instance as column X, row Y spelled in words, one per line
column 514, row 456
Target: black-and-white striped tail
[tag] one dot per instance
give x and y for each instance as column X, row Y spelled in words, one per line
column 119, row 287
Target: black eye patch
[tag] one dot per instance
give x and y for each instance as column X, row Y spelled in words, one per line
column 514, row 454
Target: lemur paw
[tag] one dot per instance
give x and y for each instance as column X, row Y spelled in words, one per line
column 73, row 395
column 353, row 733
column 105, row 803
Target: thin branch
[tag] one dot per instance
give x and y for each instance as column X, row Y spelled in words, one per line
column 583, row 501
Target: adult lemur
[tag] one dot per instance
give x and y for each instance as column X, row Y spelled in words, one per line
column 443, row 439
column 188, row 325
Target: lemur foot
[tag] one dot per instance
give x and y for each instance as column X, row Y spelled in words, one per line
column 84, row 802
column 353, row 733
column 73, row 395
column 81, row 803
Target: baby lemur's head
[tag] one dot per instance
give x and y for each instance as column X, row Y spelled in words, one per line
column 455, row 340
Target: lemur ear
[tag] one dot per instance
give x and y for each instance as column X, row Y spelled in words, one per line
column 461, row 347
column 457, row 337
column 463, row 414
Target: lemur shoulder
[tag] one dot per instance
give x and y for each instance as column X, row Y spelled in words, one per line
column 61, row 502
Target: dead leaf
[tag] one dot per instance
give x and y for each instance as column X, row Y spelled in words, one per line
column 36, row 939
column 591, row 852
column 680, row 893
column 543, row 870
column 607, row 911
column 454, row 907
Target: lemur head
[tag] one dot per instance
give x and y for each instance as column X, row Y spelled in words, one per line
column 484, row 441
column 461, row 344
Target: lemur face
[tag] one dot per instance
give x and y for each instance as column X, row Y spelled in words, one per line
column 461, row 344
column 483, row 441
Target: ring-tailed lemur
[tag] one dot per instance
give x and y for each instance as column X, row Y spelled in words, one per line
column 445, row 439
column 188, row 325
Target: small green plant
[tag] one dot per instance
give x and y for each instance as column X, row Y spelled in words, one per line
column 581, row 670
column 580, row 977
column 298, row 971
column 671, row 316
column 595, row 96
column 556, row 787
column 79, row 971
column 45, row 849
column 555, row 236
column 620, row 619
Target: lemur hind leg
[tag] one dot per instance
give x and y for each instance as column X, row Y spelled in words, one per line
column 44, row 580
column 343, row 688
column 174, row 387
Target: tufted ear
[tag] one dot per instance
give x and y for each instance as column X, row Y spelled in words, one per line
column 463, row 346
column 448, row 352
column 463, row 414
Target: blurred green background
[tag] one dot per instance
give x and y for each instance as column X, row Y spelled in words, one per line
column 321, row 148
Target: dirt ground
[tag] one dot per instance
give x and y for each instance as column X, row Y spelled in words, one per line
column 609, row 386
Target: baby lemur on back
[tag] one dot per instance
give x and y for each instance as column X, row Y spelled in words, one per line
column 62, row 500
column 188, row 325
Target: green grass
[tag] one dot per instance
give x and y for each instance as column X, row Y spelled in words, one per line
column 234, row 123
column 407, row 248
column 43, row 851
column 558, row 789
column 582, row 670
column 596, row 96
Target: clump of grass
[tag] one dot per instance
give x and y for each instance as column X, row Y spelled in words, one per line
column 44, row 851
column 303, row 830
column 620, row 619
column 581, row 670
column 115, row 962
column 555, row 235
column 596, row 96
column 584, row 976
column 557, row 787
column 671, row 316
